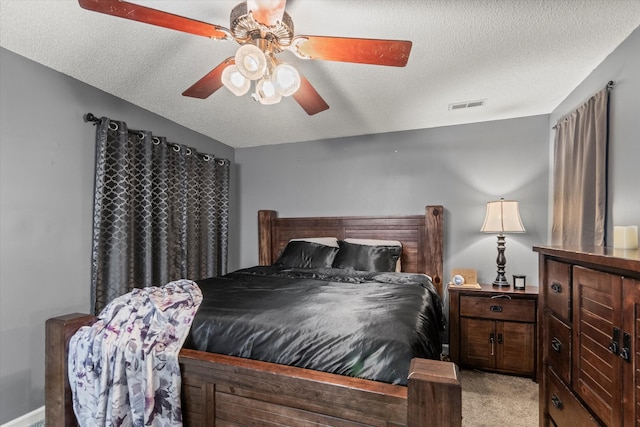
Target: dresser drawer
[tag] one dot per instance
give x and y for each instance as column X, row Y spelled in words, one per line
column 564, row 407
column 519, row 310
column 558, row 289
column 558, row 347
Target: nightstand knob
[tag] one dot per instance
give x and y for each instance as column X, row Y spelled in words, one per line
column 496, row 308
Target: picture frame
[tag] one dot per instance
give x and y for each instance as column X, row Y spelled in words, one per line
column 469, row 276
column 519, row 281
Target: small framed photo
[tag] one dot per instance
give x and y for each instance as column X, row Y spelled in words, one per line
column 519, row 281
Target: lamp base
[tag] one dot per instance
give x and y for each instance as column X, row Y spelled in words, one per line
column 501, row 282
column 501, row 279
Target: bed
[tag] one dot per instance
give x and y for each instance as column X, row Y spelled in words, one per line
column 222, row 390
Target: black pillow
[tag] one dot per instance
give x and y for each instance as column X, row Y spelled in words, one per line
column 352, row 256
column 301, row 254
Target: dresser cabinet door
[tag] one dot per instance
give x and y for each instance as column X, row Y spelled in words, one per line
column 597, row 368
column 632, row 365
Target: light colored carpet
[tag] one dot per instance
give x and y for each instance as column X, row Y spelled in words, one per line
column 490, row 400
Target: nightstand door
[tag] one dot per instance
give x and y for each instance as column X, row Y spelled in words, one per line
column 478, row 343
column 515, row 346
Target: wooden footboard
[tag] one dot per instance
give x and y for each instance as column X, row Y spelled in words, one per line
column 220, row 390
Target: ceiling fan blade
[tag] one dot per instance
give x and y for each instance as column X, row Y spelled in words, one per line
column 308, row 98
column 362, row 51
column 210, row 83
column 151, row 16
column 267, row 12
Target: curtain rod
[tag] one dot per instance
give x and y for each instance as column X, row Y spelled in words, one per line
column 609, row 86
column 90, row 117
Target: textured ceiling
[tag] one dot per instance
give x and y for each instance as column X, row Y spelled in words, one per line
column 522, row 56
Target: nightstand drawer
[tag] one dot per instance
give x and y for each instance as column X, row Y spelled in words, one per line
column 558, row 289
column 558, row 347
column 520, row 310
column 564, row 407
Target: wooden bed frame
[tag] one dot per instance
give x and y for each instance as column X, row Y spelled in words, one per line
column 219, row 390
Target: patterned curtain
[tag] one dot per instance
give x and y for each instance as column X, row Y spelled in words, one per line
column 160, row 213
column 580, row 174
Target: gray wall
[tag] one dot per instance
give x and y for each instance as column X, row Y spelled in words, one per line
column 623, row 67
column 460, row 167
column 46, row 190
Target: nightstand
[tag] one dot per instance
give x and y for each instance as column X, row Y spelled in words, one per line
column 494, row 328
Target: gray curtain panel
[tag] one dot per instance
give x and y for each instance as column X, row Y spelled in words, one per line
column 580, row 174
column 160, row 213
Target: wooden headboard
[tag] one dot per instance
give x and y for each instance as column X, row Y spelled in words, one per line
column 421, row 236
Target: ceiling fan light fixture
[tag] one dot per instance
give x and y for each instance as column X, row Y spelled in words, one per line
column 235, row 81
column 286, row 79
column 251, row 61
column 266, row 93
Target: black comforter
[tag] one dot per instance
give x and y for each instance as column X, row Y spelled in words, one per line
column 366, row 325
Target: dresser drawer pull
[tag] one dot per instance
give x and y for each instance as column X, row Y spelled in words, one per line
column 625, row 353
column 496, row 308
column 556, row 287
column 556, row 344
column 555, row 400
column 614, row 344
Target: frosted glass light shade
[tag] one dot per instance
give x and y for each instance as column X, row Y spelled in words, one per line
column 502, row 216
column 235, row 81
column 286, row 79
column 251, row 61
column 266, row 92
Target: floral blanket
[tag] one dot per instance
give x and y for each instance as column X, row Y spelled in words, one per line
column 124, row 369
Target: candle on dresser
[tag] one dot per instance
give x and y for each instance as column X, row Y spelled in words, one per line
column 625, row 237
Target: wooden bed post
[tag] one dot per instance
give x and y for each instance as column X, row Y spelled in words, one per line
column 265, row 241
column 57, row 392
column 434, row 396
column 433, row 256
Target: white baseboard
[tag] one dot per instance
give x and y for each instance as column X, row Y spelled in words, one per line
column 33, row 418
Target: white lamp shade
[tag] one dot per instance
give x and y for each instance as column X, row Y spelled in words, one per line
column 286, row 79
column 251, row 61
column 235, row 81
column 266, row 92
column 502, row 216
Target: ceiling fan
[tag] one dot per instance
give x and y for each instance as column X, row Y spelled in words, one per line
column 263, row 29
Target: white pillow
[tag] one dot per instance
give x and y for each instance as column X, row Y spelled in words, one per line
column 327, row 241
column 378, row 242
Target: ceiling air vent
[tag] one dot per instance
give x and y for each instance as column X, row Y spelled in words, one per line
column 467, row 104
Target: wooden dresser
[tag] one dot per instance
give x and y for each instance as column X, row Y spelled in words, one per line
column 589, row 329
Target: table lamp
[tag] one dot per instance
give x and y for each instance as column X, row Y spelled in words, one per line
column 502, row 217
